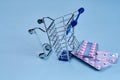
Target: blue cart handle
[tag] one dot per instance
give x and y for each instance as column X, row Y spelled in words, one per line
column 74, row 22
column 81, row 10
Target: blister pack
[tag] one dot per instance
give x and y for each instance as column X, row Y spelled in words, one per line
column 88, row 52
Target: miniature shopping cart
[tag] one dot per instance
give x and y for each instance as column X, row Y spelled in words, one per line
column 60, row 33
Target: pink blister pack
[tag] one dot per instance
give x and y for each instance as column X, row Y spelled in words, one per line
column 88, row 52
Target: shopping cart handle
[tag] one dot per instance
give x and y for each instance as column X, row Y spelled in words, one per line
column 31, row 31
column 74, row 22
column 81, row 10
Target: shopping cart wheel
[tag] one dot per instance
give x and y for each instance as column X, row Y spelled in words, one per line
column 47, row 47
column 40, row 21
column 31, row 31
column 47, row 50
column 42, row 55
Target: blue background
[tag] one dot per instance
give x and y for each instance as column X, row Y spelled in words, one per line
column 18, row 60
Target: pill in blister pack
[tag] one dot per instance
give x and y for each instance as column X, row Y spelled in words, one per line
column 110, row 57
column 88, row 52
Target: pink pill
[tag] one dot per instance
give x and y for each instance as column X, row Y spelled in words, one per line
column 98, row 52
column 82, row 49
column 112, row 60
column 105, row 62
column 105, row 53
column 83, row 46
column 104, row 59
column 91, row 54
column 86, row 59
column 92, row 51
column 80, row 57
column 98, row 59
column 85, row 41
column 92, row 63
column 81, row 52
column 92, row 48
column 98, row 67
